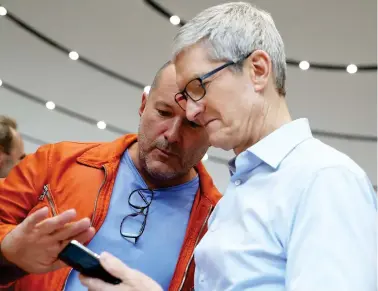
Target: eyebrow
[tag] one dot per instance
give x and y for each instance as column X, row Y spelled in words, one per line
column 200, row 75
column 163, row 104
column 203, row 74
column 194, row 76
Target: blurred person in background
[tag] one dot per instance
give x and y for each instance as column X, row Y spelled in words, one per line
column 94, row 193
column 297, row 214
column 11, row 145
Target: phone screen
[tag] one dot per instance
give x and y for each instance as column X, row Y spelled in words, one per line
column 86, row 262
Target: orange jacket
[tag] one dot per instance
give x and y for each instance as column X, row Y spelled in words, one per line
column 81, row 176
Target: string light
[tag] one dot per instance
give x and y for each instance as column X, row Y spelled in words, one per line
column 3, row 11
column 304, row 65
column 351, row 69
column 101, row 124
column 147, row 89
column 73, row 55
column 50, row 105
column 205, row 157
column 175, row 20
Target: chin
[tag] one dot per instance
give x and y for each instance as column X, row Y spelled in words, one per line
column 160, row 170
column 220, row 140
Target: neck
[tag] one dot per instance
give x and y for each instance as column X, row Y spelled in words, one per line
column 155, row 183
column 271, row 115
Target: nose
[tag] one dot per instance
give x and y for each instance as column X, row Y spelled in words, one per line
column 193, row 110
column 172, row 134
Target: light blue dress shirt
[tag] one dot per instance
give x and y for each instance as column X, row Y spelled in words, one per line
column 297, row 215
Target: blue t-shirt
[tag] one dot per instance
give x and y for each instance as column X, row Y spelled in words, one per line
column 157, row 250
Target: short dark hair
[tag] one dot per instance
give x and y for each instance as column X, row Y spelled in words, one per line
column 6, row 134
column 158, row 73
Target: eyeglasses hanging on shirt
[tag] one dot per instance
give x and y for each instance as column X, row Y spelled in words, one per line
column 133, row 225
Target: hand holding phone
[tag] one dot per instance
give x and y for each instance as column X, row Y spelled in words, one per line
column 131, row 278
column 86, row 262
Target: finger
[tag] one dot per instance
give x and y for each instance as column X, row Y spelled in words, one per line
column 94, row 284
column 85, row 236
column 53, row 224
column 115, row 267
column 32, row 220
column 82, row 238
column 71, row 230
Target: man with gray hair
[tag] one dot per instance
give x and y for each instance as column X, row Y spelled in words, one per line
column 297, row 214
column 11, row 145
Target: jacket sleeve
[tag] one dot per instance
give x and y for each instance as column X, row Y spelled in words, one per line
column 19, row 193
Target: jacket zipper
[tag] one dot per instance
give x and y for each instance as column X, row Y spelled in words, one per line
column 98, row 194
column 93, row 215
column 46, row 193
column 191, row 258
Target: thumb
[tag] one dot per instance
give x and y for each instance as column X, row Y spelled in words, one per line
column 115, row 266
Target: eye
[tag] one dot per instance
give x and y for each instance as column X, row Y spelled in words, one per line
column 206, row 84
column 163, row 113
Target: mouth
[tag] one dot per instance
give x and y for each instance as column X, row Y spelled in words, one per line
column 166, row 153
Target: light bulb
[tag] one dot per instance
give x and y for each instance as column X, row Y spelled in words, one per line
column 205, row 157
column 3, row 11
column 73, row 56
column 174, row 19
column 101, row 124
column 351, row 69
column 304, row 65
column 50, row 105
column 147, row 89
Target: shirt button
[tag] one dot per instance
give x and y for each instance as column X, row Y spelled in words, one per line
column 238, row 182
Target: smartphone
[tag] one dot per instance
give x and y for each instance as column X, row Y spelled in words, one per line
column 86, row 262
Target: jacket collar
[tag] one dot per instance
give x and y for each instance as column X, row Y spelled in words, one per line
column 207, row 186
column 104, row 153
column 111, row 152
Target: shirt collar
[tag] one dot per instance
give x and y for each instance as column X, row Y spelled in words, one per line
column 273, row 148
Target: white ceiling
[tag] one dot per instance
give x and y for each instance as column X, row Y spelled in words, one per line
column 133, row 40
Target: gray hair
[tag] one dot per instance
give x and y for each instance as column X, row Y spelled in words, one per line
column 233, row 31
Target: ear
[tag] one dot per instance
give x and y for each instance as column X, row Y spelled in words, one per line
column 143, row 104
column 2, row 156
column 260, row 68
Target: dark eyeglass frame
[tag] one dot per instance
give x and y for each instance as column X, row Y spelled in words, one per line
column 184, row 94
column 139, row 210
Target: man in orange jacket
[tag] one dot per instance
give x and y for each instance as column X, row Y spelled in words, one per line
column 90, row 191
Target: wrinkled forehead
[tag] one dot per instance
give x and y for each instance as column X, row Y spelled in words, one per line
column 191, row 63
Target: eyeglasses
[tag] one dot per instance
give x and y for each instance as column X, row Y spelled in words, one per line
column 195, row 89
column 135, row 223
